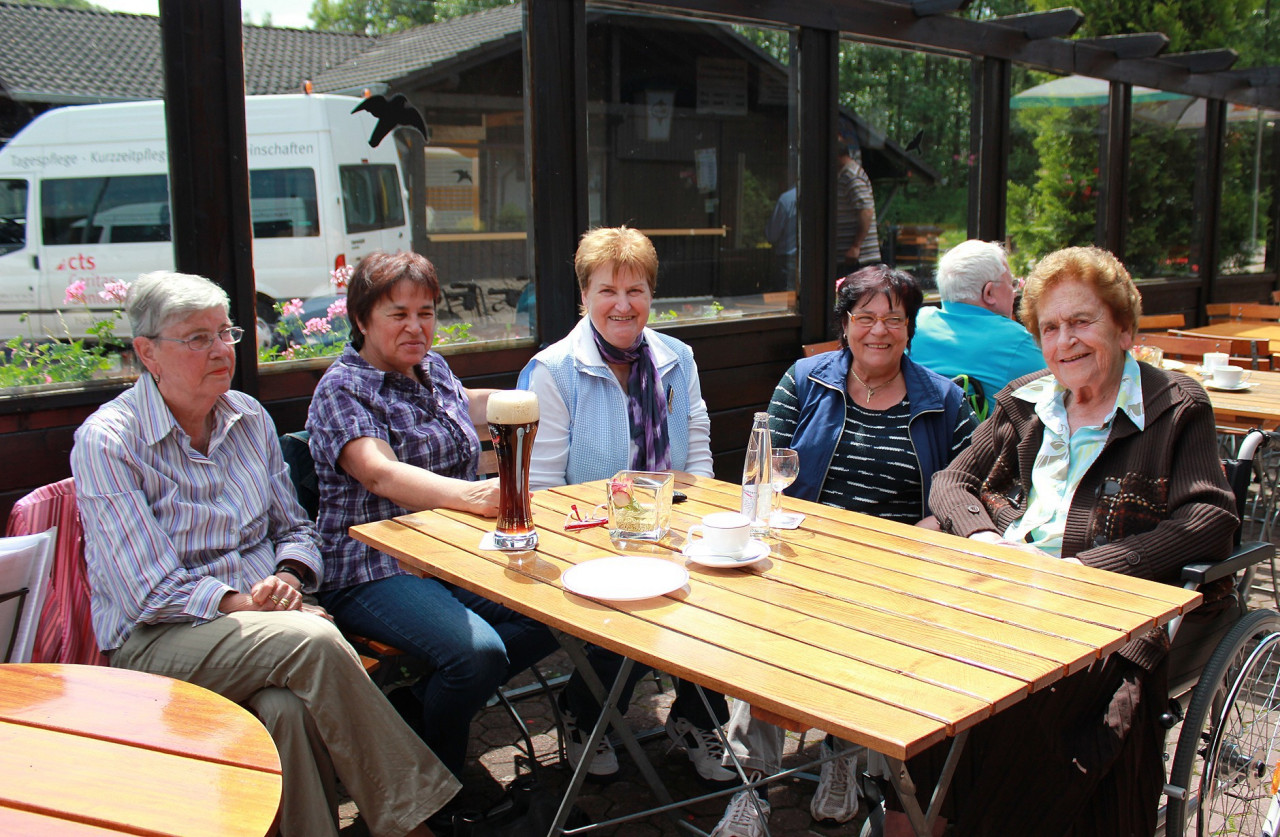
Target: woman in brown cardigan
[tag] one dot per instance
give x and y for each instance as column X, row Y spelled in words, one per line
column 1106, row 462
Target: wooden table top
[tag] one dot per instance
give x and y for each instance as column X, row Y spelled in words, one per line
column 97, row 750
column 1258, row 404
column 1234, row 328
column 886, row 635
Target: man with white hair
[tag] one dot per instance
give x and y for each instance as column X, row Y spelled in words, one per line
column 974, row 332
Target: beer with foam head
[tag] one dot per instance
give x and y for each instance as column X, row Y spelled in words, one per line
column 513, row 422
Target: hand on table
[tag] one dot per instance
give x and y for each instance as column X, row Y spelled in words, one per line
column 481, row 497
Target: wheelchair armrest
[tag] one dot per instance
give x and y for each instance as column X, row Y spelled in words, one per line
column 1244, row 556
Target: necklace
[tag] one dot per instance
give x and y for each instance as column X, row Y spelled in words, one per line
column 872, row 391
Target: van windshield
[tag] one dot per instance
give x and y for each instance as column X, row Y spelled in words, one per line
column 13, row 215
column 371, row 197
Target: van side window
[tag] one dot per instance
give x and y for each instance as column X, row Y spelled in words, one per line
column 122, row 209
column 13, row 215
column 371, row 197
column 283, row 204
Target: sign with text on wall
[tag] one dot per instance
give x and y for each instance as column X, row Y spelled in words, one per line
column 722, row 86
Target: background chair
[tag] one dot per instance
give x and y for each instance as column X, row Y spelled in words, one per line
column 812, row 349
column 25, row 563
column 65, row 632
column 1161, row 322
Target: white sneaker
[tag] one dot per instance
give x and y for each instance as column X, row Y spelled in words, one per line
column 605, row 761
column 743, row 818
column 836, row 799
column 703, row 746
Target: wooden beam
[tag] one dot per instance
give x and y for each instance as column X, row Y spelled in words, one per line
column 1056, row 23
column 1113, row 210
column 1128, row 47
column 925, row 8
column 818, row 58
column 1203, row 61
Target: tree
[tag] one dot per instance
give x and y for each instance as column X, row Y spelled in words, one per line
column 379, row 17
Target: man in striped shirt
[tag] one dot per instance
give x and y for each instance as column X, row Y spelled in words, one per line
column 857, row 239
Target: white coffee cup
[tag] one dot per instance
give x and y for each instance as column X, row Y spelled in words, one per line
column 1213, row 360
column 723, row 533
column 1228, row 376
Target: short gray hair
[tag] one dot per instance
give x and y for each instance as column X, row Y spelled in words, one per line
column 162, row 296
column 966, row 269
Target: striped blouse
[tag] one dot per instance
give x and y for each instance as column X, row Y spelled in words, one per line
column 168, row 530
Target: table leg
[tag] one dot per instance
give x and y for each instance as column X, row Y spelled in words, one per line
column 609, row 714
column 900, row 778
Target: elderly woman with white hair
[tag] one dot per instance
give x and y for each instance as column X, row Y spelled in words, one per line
column 198, row 556
column 974, row 332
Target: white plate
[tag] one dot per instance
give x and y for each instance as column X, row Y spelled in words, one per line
column 1243, row 386
column 697, row 551
column 625, row 578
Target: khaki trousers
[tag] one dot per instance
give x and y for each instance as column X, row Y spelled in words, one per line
column 305, row 683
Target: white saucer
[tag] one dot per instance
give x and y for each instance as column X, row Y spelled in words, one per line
column 698, row 552
column 1243, row 386
column 625, row 578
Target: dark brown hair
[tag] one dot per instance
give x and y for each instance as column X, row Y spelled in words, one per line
column 375, row 276
column 896, row 285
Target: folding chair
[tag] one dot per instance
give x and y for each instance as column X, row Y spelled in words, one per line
column 25, row 562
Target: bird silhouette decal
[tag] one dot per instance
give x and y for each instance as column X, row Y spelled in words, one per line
column 392, row 113
column 914, row 145
column 464, row 176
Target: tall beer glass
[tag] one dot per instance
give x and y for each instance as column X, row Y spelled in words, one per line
column 513, row 422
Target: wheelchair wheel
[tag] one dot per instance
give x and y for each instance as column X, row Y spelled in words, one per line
column 1230, row 741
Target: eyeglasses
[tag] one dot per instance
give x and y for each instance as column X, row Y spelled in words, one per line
column 892, row 322
column 203, row 341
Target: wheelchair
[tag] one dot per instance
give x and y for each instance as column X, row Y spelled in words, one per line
column 1224, row 774
column 1225, row 768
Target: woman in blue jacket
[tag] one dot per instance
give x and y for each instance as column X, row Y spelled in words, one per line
column 871, row 428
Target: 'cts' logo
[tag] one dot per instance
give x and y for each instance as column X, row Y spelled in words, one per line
column 77, row 262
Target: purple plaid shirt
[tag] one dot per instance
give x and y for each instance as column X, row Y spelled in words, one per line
column 426, row 424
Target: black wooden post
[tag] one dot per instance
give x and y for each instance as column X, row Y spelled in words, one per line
column 1113, row 211
column 209, row 157
column 993, row 150
column 555, row 82
column 819, row 57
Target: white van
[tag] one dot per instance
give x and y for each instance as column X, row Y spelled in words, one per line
column 84, row 197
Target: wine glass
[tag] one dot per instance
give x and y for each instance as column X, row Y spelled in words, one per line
column 784, row 468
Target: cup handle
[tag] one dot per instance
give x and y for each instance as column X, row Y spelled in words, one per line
column 695, row 529
column 1244, row 379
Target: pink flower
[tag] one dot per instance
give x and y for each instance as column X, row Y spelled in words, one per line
column 338, row 308
column 115, row 292
column 340, row 276
column 316, row 325
column 288, row 353
column 292, row 308
column 75, row 292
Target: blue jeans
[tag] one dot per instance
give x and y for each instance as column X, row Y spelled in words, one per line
column 475, row 646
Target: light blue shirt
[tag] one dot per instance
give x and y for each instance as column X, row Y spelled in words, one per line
column 169, row 530
column 968, row 339
column 1065, row 457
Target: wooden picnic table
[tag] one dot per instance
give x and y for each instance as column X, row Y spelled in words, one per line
column 1257, row 403
column 1239, row 329
column 92, row 750
column 886, row 635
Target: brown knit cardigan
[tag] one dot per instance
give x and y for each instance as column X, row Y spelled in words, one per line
column 1154, row 500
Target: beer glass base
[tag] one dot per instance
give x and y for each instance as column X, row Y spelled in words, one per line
column 515, row 543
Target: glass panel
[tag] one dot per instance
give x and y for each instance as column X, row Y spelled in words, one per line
column 13, row 215
column 1247, row 178
column 1162, row 217
column 464, row 204
column 905, row 119
column 89, row 210
column 1057, row 126
column 692, row 140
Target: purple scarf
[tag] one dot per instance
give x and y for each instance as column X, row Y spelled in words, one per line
column 646, row 403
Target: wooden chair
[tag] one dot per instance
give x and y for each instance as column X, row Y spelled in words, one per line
column 1257, row 312
column 1275, row 296
column 812, row 349
column 1245, row 352
column 1161, row 322
column 1185, row 349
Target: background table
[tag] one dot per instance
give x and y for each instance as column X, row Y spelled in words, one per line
column 886, row 635
column 1250, row 330
column 96, row 750
column 1259, row 405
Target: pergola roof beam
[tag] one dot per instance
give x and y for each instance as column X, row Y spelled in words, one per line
column 1127, row 47
column 1203, row 61
column 1055, row 23
column 927, row 8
